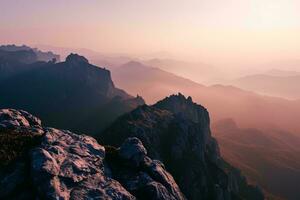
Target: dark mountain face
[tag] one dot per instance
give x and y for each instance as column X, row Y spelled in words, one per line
column 71, row 95
column 20, row 56
column 17, row 59
column 14, row 62
column 46, row 163
column 176, row 131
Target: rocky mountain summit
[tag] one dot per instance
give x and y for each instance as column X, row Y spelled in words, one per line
column 73, row 94
column 176, row 131
column 47, row 163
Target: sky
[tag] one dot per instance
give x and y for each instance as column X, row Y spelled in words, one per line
column 221, row 32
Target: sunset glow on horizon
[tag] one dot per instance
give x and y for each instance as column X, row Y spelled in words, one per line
column 228, row 32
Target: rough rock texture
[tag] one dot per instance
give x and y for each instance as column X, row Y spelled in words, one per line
column 143, row 177
column 70, row 166
column 63, row 165
column 176, row 131
column 18, row 119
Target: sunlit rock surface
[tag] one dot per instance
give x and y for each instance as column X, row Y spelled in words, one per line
column 64, row 165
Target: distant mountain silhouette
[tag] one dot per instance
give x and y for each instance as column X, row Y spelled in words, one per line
column 40, row 55
column 16, row 59
column 71, row 95
column 109, row 61
column 278, row 72
column 246, row 108
column 275, row 83
column 268, row 157
column 196, row 71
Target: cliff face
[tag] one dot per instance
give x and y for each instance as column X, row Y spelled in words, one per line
column 47, row 163
column 176, row 131
column 73, row 95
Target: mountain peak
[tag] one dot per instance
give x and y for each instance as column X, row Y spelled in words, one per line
column 74, row 58
column 227, row 124
column 177, row 98
column 134, row 64
column 179, row 104
column 176, row 131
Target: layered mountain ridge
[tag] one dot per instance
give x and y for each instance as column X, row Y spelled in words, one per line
column 82, row 97
column 275, row 118
column 285, row 86
column 72, row 95
column 40, row 55
column 264, row 156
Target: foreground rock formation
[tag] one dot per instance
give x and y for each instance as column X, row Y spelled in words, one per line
column 176, row 131
column 47, row 163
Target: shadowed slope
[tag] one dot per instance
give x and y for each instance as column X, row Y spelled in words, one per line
column 176, row 131
column 68, row 94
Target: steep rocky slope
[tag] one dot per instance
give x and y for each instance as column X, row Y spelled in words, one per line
column 73, row 95
column 46, row 163
column 176, row 131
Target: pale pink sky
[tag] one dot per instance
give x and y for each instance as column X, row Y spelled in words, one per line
column 229, row 32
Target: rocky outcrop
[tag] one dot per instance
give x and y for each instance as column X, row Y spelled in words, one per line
column 139, row 174
column 176, row 131
column 63, row 165
column 74, row 59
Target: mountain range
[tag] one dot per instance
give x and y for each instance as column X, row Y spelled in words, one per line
column 83, row 98
column 270, row 158
column 222, row 101
column 66, row 95
column 164, row 151
column 46, row 163
column 274, row 83
column 272, row 117
column 40, row 55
